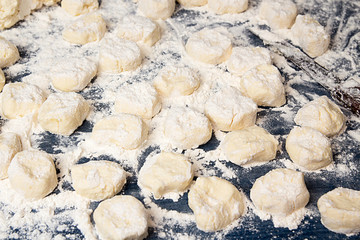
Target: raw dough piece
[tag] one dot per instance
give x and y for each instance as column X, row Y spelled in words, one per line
column 9, row 53
column 2, row 80
column 340, row 210
column 310, row 35
column 193, row 3
column 89, row 28
column 118, row 55
column 73, row 74
column 157, row 9
column 186, row 128
column 209, row 46
column 32, row 174
column 10, row 144
column 215, row 202
column 98, row 180
column 322, row 115
column 139, row 99
column 9, row 10
column 78, row 7
column 278, row 13
column 139, row 29
column 124, row 130
column 249, row 145
column 263, row 84
column 20, row 99
column 62, row 113
column 229, row 110
column 309, row 148
column 176, row 81
column 166, row 173
column 121, row 218
column 280, row 192
column 228, row 6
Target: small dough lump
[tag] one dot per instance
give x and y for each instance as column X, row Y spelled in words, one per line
column 10, row 144
column 98, row 180
column 121, row 217
column 193, row 3
column 32, row 174
column 166, row 173
column 279, row 14
column 9, row 13
column 78, row 7
column 215, row 202
column 9, row 53
column 157, row 9
column 228, row 6
column 2, row 80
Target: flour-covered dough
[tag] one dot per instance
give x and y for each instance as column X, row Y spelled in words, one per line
column 193, row 3
column 10, row 144
column 32, row 174
column 279, row 14
column 215, row 202
column 157, row 9
column 2, row 80
column 121, row 217
column 9, row 53
column 9, row 13
column 228, row 6
column 78, row 7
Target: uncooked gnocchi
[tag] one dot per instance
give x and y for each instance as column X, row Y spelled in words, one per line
column 9, row 53
column 157, row 9
column 10, row 144
column 2, row 80
column 227, row 6
column 278, row 13
column 193, row 3
column 78, row 7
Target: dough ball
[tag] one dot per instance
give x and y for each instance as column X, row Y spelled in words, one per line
column 193, row 3
column 2, row 80
column 215, row 203
column 98, row 180
column 9, row 13
column 118, row 55
column 78, row 7
column 139, row 99
column 279, row 14
column 20, row 99
column 309, row 148
column 228, row 6
column 249, row 145
column 121, row 218
column 139, row 29
column 73, row 74
column 209, row 46
column 310, row 35
column 186, row 128
column 89, row 28
column 32, row 174
column 280, row 192
column 9, row 53
column 340, row 210
column 157, row 9
column 62, row 113
column 322, row 115
column 229, row 110
column 10, row 144
column 123, row 130
column 263, row 84
column 176, row 81
column 166, row 173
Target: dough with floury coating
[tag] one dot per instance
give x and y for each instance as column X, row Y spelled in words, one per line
column 340, row 210
column 9, row 53
column 2, row 80
column 193, row 3
column 309, row 148
column 32, row 174
column 157, row 9
column 79, row 7
column 215, row 202
column 279, row 14
column 249, row 145
column 121, row 217
column 228, row 6
column 10, row 144
column 98, row 180
column 9, row 14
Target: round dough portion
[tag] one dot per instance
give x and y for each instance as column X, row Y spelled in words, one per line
column 32, row 174
column 209, row 46
column 98, row 180
column 20, row 99
column 166, row 173
column 123, row 130
column 9, row 13
column 186, row 128
column 229, row 110
column 89, row 28
column 193, row 3
column 2, row 80
column 121, row 217
column 139, row 99
column 215, row 202
column 10, row 144
column 118, row 55
column 309, row 148
column 157, row 9
column 228, row 6
column 139, row 29
column 340, row 210
column 250, row 145
column 176, row 81
column 73, row 74
column 322, row 115
column 78, row 7
column 63, row 113
column 9, row 53
column 279, row 14
column 280, row 192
